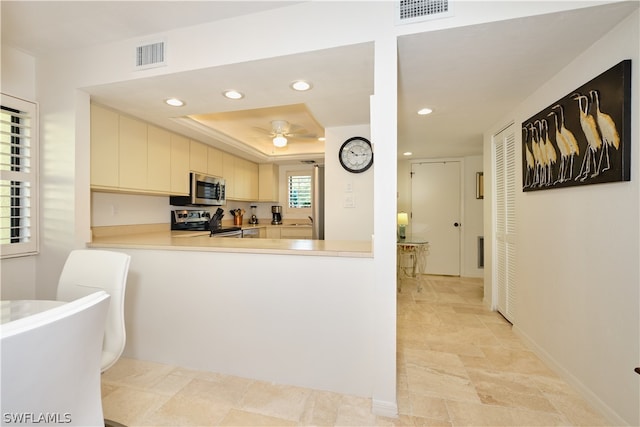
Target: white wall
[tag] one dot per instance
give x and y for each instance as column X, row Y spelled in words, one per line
column 472, row 210
column 207, row 310
column 577, row 274
column 124, row 209
column 18, row 275
column 348, row 196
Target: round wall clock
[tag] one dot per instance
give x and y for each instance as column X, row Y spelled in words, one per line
column 356, row 154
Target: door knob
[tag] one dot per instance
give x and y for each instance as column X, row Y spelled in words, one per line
column 456, row 224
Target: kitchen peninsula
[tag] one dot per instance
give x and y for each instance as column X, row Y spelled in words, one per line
column 290, row 311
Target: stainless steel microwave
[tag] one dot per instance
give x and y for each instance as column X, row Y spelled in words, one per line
column 204, row 190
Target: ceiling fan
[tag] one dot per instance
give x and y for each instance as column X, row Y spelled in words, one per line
column 282, row 129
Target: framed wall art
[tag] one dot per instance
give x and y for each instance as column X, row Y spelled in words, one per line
column 583, row 138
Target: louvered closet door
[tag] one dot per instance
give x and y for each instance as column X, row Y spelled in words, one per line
column 504, row 156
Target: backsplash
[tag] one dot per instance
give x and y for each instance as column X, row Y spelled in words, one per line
column 109, row 209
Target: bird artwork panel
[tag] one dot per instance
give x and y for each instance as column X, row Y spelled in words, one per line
column 583, row 138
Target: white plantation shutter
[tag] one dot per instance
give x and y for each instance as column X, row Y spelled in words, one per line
column 299, row 187
column 18, row 177
column 504, row 157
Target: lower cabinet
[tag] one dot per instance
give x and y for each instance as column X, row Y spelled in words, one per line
column 296, row 233
column 272, row 233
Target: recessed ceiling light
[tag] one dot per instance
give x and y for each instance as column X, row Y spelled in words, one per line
column 425, row 111
column 174, row 102
column 233, row 94
column 407, row 153
column 322, row 138
column 300, row 85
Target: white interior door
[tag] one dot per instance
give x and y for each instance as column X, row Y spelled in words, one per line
column 435, row 213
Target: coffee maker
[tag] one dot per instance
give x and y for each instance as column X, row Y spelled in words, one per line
column 276, row 211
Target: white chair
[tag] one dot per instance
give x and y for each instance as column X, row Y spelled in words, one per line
column 50, row 365
column 86, row 271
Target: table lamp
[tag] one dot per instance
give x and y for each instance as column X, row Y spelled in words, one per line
column 403, row 221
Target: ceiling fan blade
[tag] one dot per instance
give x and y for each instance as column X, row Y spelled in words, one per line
column 301, row 136
column 295, row 129
column 264, row 131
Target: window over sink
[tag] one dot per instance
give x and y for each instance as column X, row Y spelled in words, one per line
column 299, row 191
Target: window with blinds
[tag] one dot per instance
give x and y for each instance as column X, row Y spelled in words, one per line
column 299, row 188
column 18, row 177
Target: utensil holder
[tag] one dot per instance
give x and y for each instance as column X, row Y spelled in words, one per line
column 237, row 220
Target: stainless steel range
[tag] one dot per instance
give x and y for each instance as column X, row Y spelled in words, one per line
column 202, row 220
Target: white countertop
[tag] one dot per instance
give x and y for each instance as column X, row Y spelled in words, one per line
column 200, row 241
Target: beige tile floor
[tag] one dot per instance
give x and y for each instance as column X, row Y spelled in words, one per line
column 458, row 365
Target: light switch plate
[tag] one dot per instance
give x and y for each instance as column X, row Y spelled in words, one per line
column 349, row 202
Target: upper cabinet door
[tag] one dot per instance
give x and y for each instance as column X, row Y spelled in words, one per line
column 179, row 165
column 198, row 157
column 133, row 154
column 268, row 174
column 214, row 162
column 158, row 159
column 104, row 147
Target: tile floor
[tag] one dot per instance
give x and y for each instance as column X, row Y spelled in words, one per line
column 458, row 365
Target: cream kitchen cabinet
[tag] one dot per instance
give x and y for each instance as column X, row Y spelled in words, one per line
column 129, row 155
column 180, row 167
column 245, row 180
column 198, row 157
column 241, row 178
column 206, row 159
column 214, row 162
column 104, row 148
column 133, row 154
column 296, row 232
column 228, row 173
column 289, row 232
column 158, row 159
column 268, row 178
column 273, row 233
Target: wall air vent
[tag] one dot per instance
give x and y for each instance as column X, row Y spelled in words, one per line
column 410, row 11
column 151, row 55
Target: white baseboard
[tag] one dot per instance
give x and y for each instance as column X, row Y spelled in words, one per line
column 584, row 391
column 384, row 408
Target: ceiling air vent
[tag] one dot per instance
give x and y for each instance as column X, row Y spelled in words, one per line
column 151, row 55
column 409, row 11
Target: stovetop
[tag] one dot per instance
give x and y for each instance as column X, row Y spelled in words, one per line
column 202, row 226
column 196, row 220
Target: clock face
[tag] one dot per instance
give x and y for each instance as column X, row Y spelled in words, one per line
column 356, row 154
